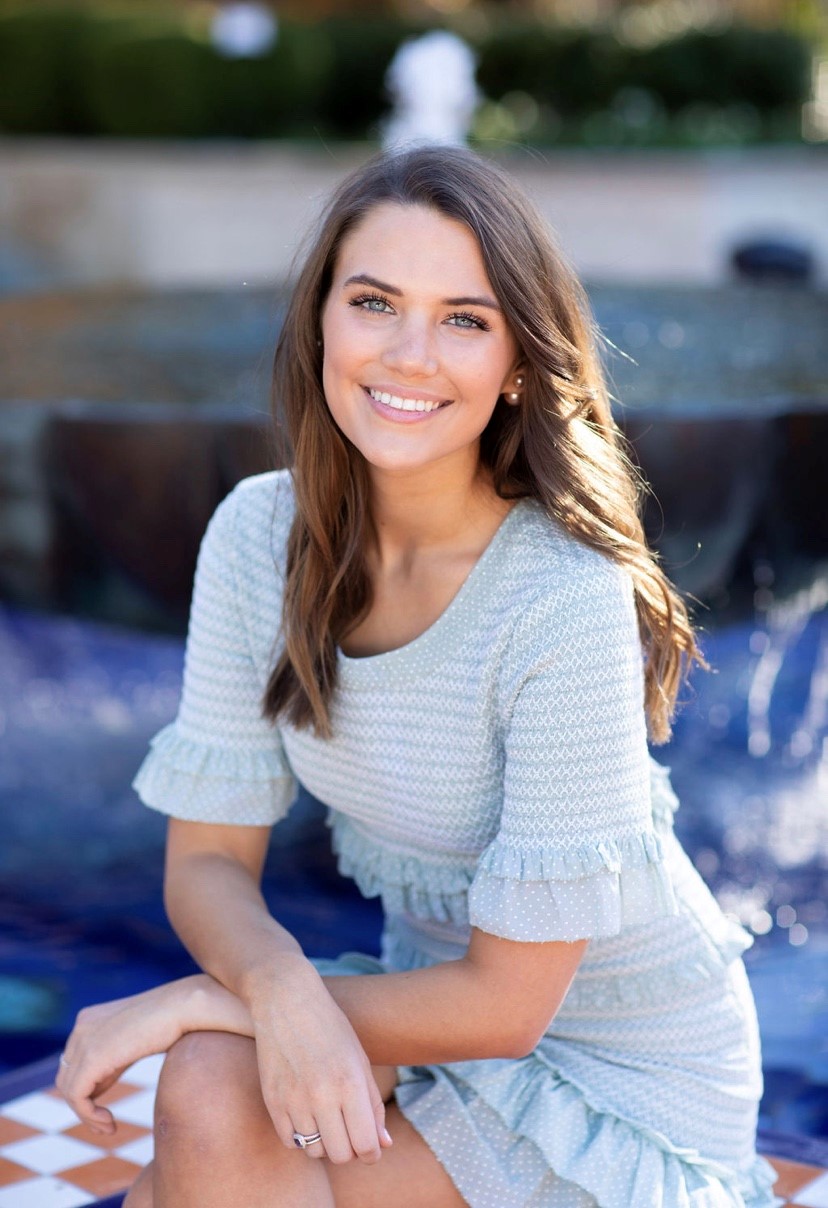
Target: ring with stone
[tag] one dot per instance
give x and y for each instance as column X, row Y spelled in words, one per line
column 303, row 1140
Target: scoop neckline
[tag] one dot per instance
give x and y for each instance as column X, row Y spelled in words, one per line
column 420, row 649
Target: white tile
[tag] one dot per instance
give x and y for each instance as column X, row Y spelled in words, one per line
column 44, row 1193
column 140, row 1150
column 135, row 1109
column 41, row 1111
column 50, row 1153
column 145, row 1072
column 814, row 1195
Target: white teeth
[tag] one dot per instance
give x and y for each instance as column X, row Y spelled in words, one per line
column 403, row 404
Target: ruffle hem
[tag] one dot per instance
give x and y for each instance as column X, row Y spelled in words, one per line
column 197, row 782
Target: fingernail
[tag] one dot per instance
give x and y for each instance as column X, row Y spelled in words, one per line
column 388, row 1136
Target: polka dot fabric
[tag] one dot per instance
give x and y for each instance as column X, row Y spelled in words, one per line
column 494, row 773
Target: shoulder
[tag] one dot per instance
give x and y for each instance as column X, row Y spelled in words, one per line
column 242, row 561
column 252, row 522
column 558, row 575
column 574, row 630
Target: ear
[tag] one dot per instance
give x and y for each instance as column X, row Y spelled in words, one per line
column 513, row 388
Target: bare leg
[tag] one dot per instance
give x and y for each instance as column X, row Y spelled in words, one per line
column 408, row 1174
column 140, row 1193
column 215, row 1144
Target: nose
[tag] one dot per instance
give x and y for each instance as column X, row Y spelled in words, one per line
column 411, row 349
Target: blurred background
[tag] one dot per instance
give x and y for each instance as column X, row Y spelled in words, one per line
column 159, row 165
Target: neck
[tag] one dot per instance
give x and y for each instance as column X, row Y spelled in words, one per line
column 430, row 508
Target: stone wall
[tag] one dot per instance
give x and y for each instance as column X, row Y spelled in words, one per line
column 216, row 215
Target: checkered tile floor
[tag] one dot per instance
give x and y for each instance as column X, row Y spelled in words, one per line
column 49, row 1160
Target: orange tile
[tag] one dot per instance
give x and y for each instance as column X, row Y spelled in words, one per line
column 12, row 1172
column 10, row 1131
column 792, row 1175
column 106, row 1176
column 123, row 1133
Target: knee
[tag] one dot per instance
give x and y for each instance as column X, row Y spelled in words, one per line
column 208, row 1090
column 140, row 1193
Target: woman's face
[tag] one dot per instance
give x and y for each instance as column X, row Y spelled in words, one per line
column 416, row 348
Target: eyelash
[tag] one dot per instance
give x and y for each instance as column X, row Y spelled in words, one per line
column 479, row 323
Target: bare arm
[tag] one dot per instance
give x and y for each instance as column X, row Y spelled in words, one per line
column 496, row 1002
column 317, row 1037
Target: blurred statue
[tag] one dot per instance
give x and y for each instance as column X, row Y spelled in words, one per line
column 431, row 80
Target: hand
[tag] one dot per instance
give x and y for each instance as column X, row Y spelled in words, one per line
column 314, row 1072
column 110, row 1037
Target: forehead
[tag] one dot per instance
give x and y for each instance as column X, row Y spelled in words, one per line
column 416, row 243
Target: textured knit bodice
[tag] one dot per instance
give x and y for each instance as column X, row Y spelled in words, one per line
column 493, row 772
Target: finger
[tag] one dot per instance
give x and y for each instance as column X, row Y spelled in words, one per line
column 317, row 1148
column 385, row 1138
column 335, row 1138
column 378, row 1105
column 99, row 1119
column 363, row 1133
column 283, row 1126
column 89, row 1113
column 81, row 1098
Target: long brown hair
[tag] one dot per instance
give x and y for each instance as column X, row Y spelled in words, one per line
column 560, row 446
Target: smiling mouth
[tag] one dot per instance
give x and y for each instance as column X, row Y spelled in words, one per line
column 404, row 404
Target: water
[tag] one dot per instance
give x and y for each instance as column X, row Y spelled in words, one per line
column 81, row 861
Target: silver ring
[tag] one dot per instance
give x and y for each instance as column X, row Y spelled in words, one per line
column 303, row 1140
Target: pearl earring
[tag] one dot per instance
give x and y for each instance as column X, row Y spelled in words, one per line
column 513, row 396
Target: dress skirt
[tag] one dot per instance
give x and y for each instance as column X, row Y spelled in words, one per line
column 623, row 1104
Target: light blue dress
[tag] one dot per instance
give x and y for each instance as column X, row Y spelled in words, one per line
column 494, row 773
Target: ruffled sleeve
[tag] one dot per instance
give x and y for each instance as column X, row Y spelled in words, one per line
column 220, row 760
column 575, row 855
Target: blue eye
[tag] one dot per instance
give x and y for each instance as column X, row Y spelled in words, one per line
column 468, row 321
column 375, row 304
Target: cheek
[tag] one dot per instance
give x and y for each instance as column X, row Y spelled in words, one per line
column 486, row 377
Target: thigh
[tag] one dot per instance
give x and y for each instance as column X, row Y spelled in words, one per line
column 408, row 1175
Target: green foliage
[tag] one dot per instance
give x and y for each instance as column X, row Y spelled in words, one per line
column 39, row 50
column 270, row 96
column 762, row 67
column 575, row 71
column 353, row 98
column 148, row 83
column 150, row 70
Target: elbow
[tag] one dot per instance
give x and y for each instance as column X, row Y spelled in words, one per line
column 518, row 1042
column 521, row 1046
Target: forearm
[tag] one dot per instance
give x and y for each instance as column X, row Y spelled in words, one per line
column 445, row 1013
column 207, row 1006
column 497, row 1001
column 425, row 1016
column 494, row 1002
column 219, row 914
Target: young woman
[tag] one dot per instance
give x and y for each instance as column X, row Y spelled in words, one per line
column 445, row 622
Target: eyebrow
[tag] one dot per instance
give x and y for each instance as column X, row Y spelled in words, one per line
column 471, row 300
